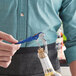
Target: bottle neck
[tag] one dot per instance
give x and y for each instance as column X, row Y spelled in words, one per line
column 45, row 61
column 41, row 53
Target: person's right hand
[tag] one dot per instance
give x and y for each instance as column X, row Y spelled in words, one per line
column 7, row 50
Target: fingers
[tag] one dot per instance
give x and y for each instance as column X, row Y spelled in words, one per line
column 1, row 39
column 6, row 53
column 9, row 47
column 5, row 58
column 5, row 64
column 7, row 37
column 7, row 50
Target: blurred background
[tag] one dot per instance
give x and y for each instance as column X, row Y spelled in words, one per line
column 65, row 70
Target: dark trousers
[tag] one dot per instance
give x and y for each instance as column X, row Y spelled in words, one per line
column 26, row 63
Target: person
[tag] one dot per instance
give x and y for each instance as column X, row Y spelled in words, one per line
column 20, row 19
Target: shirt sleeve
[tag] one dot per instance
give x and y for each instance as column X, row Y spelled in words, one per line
column 68, row 17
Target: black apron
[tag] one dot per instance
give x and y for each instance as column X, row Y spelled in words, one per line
column 26, row 63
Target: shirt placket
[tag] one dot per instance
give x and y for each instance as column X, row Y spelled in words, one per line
column 22, row 20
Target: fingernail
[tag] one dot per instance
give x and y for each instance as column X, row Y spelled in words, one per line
column 19, row 45
column 16, row 40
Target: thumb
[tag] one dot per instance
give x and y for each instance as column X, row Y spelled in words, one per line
column 16, row 46
column 7, row 37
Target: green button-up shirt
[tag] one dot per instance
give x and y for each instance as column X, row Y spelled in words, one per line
column 24, row 18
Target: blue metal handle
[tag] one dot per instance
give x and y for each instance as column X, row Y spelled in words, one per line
column 35, row 37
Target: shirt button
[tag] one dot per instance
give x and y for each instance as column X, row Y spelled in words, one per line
column 22, row 14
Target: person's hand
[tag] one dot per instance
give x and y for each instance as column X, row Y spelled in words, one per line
column 7, row 50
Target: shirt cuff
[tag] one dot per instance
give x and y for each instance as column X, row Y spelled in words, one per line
column 70, row 54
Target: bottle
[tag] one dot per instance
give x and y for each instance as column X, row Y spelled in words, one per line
column 46, row 64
